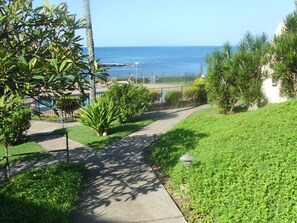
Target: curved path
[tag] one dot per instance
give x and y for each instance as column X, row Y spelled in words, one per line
column 120, row 187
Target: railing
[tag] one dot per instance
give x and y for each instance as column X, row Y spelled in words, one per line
column 7, row 156
column 69, row 113
column 161, row 104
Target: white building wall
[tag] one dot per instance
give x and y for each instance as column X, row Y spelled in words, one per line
column 270, row 89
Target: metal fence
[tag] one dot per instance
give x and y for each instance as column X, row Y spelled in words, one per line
column 49, row 111
column 160, row 103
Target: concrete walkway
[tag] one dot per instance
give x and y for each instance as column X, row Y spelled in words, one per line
column 120, row 187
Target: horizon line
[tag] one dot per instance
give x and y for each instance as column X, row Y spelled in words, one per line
column 155, row 46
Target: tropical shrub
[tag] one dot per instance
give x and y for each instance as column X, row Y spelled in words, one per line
column 284, row 57
column 15, row 119
column 197, row 93
column 173, row 98
column 248, row 64
column 20, row 123
column 47, row 56
column 99, row 115
column 154, row 96
column 129, row 99
column 237, row 76
column 68, row 104
column 191, row 93
column 220, row 83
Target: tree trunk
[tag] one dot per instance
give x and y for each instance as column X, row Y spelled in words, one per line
column 90, row 43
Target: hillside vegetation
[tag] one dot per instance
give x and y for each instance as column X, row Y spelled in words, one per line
column 246, row 164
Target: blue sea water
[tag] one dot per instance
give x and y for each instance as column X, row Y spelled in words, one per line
column 155, row 61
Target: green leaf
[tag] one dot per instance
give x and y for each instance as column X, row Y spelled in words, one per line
column 23, row 63
column 66, row 63
column 32, row 63
column 70, row 76
column 38, row 77
column 54, row 64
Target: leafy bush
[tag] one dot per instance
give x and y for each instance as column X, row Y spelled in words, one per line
column 200, row 82
column 191, row 93
column 154, row 96
column 221, row 86
column 202, row 94
column 283, row 57
column 237, row 76
column 195, row 94
column 173, row 97
column 245, row 167
column 129, row 99
column 20, row 124
column 68, row 104
column 45, row 195
column 99, row 115
column 15, row 123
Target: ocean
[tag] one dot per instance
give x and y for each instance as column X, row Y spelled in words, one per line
column 154, row 61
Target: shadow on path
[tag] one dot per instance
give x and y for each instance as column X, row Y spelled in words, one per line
column 116, row 174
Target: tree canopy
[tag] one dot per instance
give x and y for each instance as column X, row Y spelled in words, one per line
column 40, row 53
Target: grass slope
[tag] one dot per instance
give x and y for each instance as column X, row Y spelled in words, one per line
column 46, row 195
column 246, row 164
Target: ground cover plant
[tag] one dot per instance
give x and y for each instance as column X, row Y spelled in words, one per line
column 27, row 147
column 44, row 195
column 87, row 136
column 246, row 164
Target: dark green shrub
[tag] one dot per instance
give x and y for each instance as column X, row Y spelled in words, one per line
column 19, row 122
column 129, row 99
column 173, row 98
column 154, row 96
column 99, row 115
column 68, row 104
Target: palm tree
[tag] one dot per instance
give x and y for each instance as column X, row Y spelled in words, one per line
column 90, row 43
column 47, row 3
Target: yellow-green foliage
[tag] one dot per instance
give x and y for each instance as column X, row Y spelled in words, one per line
column 173, row 97
column 154, row 95
column 246, row 164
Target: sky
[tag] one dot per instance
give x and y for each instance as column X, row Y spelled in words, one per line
column 178, row 22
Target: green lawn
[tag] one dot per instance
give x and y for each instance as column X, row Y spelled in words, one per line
column 88, row 137
column 47, row 195
column 246, row 164
column 23, row 148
